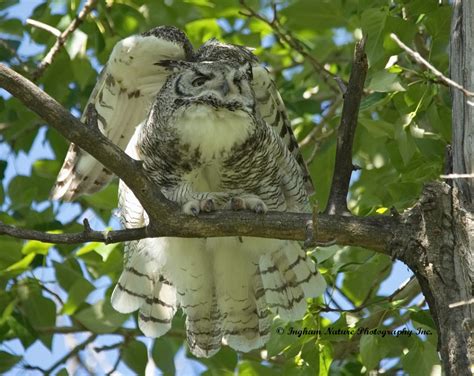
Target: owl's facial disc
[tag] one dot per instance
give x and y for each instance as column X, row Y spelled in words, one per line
column 217, row 84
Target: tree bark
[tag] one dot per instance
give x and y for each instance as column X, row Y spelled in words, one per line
column 438, row 240
column 434, row 243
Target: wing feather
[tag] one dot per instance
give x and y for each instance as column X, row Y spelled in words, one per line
column 272, row 109
column 122, row 98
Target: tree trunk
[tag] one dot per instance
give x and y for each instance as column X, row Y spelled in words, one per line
column 438, row 237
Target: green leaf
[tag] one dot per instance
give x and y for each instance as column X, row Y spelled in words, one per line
column 46, row 168
column 11, row 252
column 104, row 250
column 250, row 368
column 101, row 317
column 134, row 354
column 163, row 352
column 77, row 295
column 308, row 14
column 67, row 273
column 383, row 81
column 421, row 359
column 370, row 351
column 36, row 247
column 23, row 264
column 373, row 25
column 76, row 44
column 22, row 191
column 7, row 361
column 40, row 312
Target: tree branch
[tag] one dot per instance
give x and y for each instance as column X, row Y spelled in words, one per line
column 370, row 232
column 420, row 60
column 61, row 39
column 337, row 203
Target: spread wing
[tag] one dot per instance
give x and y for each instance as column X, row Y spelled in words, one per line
column 269, row 102
column 122, row 97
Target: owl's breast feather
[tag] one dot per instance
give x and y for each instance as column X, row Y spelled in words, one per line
column 213, row 131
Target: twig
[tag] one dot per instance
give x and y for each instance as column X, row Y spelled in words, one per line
column 61, row 39
column 420, row 60
column 107, row 237
column 407, row 290
column 71, row 353
column 317, row 132
column 108, row 347
column 285, row 37
column 457, row 176
column 115, row 366
column 343, row 168
column 41, row 25
column 461, row 303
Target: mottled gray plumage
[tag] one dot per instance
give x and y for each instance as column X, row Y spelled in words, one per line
column 213, row 135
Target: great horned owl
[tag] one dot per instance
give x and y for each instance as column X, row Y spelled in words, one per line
column 213, row 133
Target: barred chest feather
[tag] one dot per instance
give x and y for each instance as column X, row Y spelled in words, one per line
column 214, row 132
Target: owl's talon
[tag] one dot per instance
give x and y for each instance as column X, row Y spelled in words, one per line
column 253, row 203
column 191, row 208
column 208, row 205
column 237, row 203
column 194, row 207
column 260, row 209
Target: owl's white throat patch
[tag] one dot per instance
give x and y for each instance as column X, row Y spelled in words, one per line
column 213, row 131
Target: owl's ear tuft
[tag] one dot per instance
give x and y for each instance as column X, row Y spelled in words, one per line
column 173, row 65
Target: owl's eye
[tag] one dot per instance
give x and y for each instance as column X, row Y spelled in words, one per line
column 201, row 80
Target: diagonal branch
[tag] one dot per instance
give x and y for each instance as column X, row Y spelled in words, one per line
column 420, row 60
column 337, row 203
column 61, row 39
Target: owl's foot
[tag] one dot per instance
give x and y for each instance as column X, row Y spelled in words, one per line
column 253, row 203
column 194, row 207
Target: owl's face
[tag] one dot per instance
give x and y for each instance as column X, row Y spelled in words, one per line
column 220, row 85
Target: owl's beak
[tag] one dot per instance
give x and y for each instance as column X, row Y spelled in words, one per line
column 224, row 88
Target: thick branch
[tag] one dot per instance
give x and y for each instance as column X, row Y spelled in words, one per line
column 337, row 203
column 370, row 232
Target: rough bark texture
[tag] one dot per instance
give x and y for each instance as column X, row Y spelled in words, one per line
column 434, row 244
column 437, row 240
column 462, row 71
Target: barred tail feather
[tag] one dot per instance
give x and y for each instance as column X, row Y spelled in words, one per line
column 234, row 271
column 157, row 311
column 136, row 282
column 203, row 327
column 288, row 278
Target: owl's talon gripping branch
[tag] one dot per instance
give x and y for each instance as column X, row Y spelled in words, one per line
column 249, row 202
column 194, row 207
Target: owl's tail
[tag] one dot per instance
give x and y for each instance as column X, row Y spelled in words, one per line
column 253, row 284
column 138, row 288
column 229, row 289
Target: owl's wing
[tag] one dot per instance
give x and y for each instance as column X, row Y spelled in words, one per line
column 122, row 97
column 273, row 111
